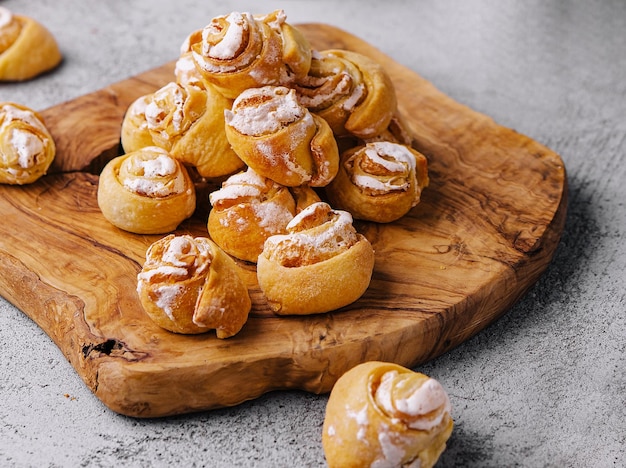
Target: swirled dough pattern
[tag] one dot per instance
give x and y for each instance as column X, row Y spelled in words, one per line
column 384, row 415
column 189, row 285
column 26, row 146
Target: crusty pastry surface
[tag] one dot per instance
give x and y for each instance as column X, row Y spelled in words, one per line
column 383, row 414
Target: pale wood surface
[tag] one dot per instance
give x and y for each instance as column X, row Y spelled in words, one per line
column 486, row 229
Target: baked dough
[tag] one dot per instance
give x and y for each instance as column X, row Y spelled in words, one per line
column 249, row 208
column 185, row 71
column 189, row 285
column 383, row 414
column 280, row 139
column 27, row 48
column 239, row 51
column 146, row 192
column 188, row 122
column 352, row 92
column 135, row 133
column 26, row 146
column 320, row 265
column 379, row 181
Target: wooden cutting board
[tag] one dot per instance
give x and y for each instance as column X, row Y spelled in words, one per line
column 486, row 229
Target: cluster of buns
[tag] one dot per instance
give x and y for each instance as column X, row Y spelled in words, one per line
column 301, row 141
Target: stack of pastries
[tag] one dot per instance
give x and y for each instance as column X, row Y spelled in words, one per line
column 301, row 142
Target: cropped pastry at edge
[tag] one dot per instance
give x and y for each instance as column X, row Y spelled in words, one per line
column 146, row 192
column 189, row 285
column 26, row 147
column 27, row 48
column 383, row 414
column 299, row 271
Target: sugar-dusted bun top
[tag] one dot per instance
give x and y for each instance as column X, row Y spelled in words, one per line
column 152, row 172
column 414, row 399
column 265, row 110
column 315, row 234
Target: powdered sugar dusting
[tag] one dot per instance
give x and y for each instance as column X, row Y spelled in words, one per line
column 231, row 41
column 159, row 108
column 260, row 111
column 28, row 147
column 315, row 234
column 157, row 176
column 423, row 409
column 397, row 161
column 5, row 17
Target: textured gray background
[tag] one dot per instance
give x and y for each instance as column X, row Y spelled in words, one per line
column 543, row 386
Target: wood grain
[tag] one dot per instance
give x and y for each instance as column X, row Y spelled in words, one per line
column 486, row 229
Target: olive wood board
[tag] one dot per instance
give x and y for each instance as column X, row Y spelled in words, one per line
column 486, row 229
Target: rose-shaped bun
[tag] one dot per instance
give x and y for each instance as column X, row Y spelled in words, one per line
column 352, row 92
column 319, row 265
column 146, row 192
column 27, row 48
column 189, row 285
column 249, row 208
column 383, row 414
column 26, row 147
column 379, row 181
column 188, row 122
column 238, row 51
column 280, row 139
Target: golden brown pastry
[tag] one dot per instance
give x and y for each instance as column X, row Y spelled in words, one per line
column 238, row 51
column 280, row 139
column 189, row 285
column 320, row 265
column 352, row 92
column 135, row 133
column 249, row 208
column 146, row 192
column 384, row 415
column 185, row 71
column 189, row 123
column 27, row 48
column 26, row 146
column 379, row 181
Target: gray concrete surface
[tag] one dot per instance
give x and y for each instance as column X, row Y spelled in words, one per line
column 543, row 386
